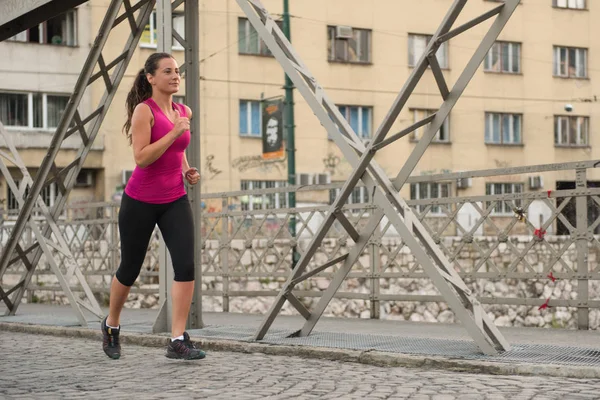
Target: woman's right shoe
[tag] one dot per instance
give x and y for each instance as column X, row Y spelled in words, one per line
column 110, row 341
column 184, row 349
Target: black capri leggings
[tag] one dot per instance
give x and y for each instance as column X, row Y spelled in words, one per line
column 136, row 224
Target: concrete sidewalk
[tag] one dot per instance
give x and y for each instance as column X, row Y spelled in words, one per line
column 535, row 351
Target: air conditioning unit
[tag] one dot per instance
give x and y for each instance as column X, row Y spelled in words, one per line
column 322, row 179
column 304, row 179
column 343, row 32
column 126, row 175
column 536, row 182
column 464, row 183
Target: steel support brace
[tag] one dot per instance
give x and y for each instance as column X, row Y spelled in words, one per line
column 46, row 244
column 192, row 96
column 583, row 235
column 431, row 258
column 164, row 22
column 190, row 69
column 19, row 15
column 87, row 127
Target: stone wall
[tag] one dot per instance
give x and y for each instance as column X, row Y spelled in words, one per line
column 537, row 257
column 502, row 315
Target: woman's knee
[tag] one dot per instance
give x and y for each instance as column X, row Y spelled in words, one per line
column 184, row 273
column 126, row 276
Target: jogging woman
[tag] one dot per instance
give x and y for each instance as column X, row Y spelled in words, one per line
column 159, row 132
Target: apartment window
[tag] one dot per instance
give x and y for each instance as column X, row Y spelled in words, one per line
column 442, row 135
column 504, row 57
column 574, row 4
column 570, row 62
column 359, row 118
column 267, row 201
column 14, row 109
column 429, row 190
column 360, row 195
column 85, row 178
column 503, row 207
column 347, row 44
column 150, row 34
column 60, row 30
column 48, row 194
column 571, row 131
column 250, row 117
column 32, row 110
column 503, row 128
column 55, row 106
column 248, row 40
column 416, row 48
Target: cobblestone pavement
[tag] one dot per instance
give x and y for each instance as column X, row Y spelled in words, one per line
column 44, row 367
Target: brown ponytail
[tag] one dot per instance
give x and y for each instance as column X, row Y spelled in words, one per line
column 141, row 90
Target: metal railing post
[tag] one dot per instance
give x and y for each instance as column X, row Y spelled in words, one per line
column 375, row 261
column 114, row 238
column 582, row 250
column 224, row 252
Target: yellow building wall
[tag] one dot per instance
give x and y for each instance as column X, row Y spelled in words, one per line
column 226, row 77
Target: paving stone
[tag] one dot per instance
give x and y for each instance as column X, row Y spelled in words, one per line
column 59, row 367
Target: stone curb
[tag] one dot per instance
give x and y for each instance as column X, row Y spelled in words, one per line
column 376, row 358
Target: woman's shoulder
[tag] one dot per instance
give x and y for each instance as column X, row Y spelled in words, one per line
column 144, row 111
column 186, row 109
column 143, row 107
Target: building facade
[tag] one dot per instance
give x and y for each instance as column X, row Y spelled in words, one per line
column 532, row 101
column 40, row 67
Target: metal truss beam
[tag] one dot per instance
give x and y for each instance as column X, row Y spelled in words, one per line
column 190, row 69
column 385, row 193
column 47, row 244
column 18, row 15
column 87, row 127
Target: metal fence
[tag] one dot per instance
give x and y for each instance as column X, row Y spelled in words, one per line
column 91, row 231
column 512, row 236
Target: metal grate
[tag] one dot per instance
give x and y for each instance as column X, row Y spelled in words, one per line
column 458, row 349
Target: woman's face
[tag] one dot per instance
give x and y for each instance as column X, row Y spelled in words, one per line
column 166, row 78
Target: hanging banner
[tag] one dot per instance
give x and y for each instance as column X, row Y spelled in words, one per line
column 272, row 129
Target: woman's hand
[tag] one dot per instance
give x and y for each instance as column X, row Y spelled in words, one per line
column 192, row 176
column 182, row 124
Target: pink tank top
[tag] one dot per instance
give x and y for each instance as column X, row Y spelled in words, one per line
column 162, row 181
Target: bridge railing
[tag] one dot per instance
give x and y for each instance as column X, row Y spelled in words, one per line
column 528, row 250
